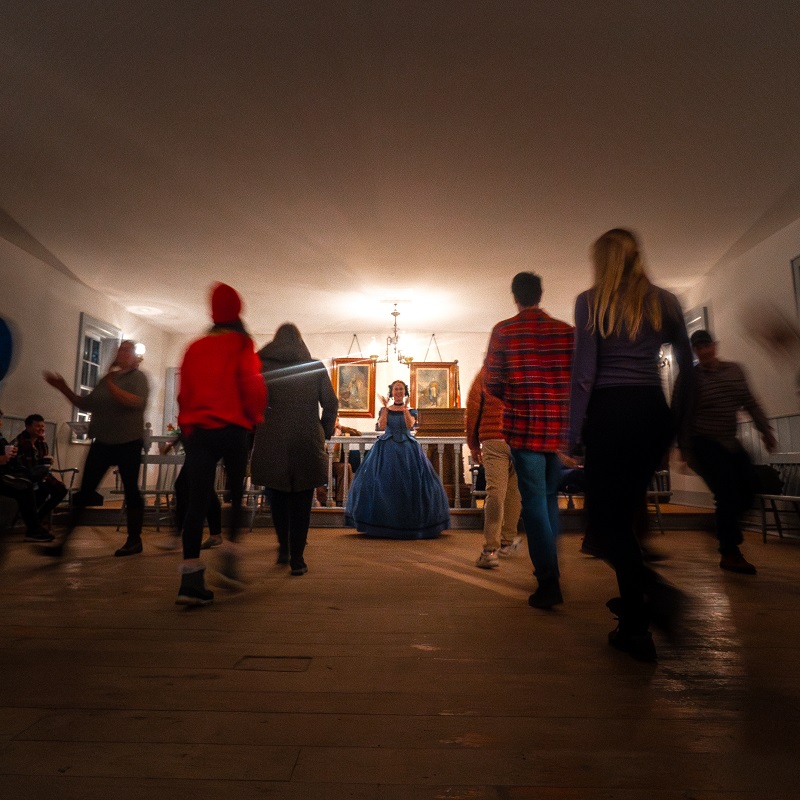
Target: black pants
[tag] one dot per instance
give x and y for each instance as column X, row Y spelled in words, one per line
column 729, row 475
column 127, row 458
column 26, row 501
column 627, row 433
column 204, row 449
column 291, row 513
column 49, row 493
column 213, row 512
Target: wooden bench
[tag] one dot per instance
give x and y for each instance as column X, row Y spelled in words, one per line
column 780, row 510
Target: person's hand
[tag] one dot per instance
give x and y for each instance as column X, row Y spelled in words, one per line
column 568, row 461
column 55, row 380
column 476, row 455
column 384, row 400
column 770, row 442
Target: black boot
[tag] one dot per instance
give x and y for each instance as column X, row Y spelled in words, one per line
column 193, row 590
column 283, row 546
column 631, row 634
column 38, row 535
column 131, row 547
column 297, row 546
column 133, row 544
column 547, row 594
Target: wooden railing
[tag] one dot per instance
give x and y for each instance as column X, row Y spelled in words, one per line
column 364, row 443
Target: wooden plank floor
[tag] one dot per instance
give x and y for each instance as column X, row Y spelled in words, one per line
column 391, row 671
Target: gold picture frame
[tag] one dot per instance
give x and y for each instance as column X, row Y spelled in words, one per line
column 434, row 384
column 354, row 383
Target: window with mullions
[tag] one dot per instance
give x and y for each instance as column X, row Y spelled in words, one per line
column 90, row 365
column 97, row 344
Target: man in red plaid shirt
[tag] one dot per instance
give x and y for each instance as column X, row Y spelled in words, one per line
column 528, row 364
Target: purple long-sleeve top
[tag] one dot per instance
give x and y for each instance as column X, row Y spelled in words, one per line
column 619, row 361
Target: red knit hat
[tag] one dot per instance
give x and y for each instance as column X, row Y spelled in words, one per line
column 226, row 305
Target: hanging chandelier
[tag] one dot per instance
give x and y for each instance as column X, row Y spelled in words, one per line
column 393, row 344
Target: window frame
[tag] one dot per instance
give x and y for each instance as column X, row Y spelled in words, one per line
column 109, row 336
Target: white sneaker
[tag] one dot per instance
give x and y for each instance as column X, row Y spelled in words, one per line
column 488, row 560
column 508, row 550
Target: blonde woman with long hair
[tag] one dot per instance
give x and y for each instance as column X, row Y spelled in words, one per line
column 620, row 415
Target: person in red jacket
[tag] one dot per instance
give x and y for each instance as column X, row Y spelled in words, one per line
column 502, row 506
column 222, row 398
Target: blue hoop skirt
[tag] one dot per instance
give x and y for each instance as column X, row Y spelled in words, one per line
column 396, row 493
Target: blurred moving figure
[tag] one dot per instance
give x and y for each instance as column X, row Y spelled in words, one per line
column 221, row 399
column 116, row 428
column 619, row 413
column 712, row 450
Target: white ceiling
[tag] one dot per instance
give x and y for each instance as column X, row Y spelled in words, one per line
column 330, row 158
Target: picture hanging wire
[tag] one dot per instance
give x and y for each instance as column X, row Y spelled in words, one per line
column 432, row 342
column 354, row 341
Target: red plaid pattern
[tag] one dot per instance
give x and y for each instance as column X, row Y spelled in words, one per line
column 529, row 363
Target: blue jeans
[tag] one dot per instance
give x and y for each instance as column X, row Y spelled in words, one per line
column 538, row 476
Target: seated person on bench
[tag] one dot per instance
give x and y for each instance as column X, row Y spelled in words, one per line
column 20, row 489
column 33, row 455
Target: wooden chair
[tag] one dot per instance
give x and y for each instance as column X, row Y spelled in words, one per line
column 660, row 491
column 157, row 481
column 779, row 504
column 475, row 493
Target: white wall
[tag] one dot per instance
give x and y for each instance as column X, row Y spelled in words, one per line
column 43, row 307
column 466, row 348
column 734, row 293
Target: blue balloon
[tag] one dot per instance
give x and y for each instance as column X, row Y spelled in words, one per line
column 6, row 348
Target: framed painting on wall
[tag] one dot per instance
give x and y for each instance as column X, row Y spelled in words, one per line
column 696, row 319
column 354, row 384
column 434, row 384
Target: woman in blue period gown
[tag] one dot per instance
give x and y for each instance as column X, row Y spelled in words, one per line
column 396, row 494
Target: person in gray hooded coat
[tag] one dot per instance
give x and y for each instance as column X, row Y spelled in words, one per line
column 289, row 457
